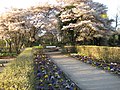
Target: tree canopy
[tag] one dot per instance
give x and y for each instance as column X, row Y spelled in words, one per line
column 75, row 19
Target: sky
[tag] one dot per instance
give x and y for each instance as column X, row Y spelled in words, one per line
column 113, row 6
column 6, row 4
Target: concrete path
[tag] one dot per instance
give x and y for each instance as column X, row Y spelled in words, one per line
column 84, row 75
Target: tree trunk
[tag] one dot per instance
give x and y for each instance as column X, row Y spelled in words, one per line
column 10, row 48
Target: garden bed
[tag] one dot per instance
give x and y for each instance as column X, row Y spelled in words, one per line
column 5, row 55
column 49, row 76
column 111, row 54
column 113, row 67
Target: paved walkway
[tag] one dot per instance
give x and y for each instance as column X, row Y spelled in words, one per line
column 86, row 76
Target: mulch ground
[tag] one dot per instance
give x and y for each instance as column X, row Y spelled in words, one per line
column 7, row 57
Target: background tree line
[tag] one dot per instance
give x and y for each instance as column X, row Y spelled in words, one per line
column 69, row 22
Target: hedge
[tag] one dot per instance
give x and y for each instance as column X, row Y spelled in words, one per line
column 99, row 52
column 69, row 49
column 19, row 74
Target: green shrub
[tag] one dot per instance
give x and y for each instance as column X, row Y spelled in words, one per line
column 69, row 49
column 37, row 49
column 100, row 52
column 7, row 54
column 19, row 74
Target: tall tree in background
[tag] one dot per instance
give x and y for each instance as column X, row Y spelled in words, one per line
column 69, row 21
column 16, row 29
column 117, row 20
column 84, row 21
